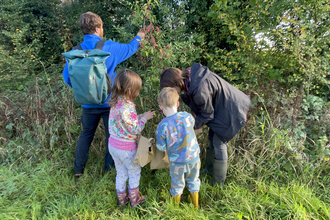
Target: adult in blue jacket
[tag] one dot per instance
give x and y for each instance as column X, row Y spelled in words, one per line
column 92, row 27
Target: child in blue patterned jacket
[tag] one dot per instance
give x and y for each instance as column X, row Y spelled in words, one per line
column 175, row 134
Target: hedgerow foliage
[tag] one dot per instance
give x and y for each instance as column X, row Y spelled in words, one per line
column 277, row 52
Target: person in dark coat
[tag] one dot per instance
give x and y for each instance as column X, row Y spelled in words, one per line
column 217, row 104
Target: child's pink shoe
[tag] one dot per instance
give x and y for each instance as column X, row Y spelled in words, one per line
column 122, row 198
column 135, row 197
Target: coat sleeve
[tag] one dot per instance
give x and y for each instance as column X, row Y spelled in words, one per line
column 191, row 119
column 203, row 101
column 133, row 125
column 161, row 138
column 124, row 51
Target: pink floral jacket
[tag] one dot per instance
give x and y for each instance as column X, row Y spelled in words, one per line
column 123, row 120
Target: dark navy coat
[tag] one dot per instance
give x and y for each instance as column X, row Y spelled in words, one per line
column 216, row 103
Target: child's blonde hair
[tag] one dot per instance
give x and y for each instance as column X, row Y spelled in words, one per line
column 127, row 83
column 168, row 97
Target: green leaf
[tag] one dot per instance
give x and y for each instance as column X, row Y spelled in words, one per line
column 327, row 152
column 21, row 87
column 10, row 126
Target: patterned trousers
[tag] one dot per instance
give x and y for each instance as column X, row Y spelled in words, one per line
column 180, row 172
column 125, row 168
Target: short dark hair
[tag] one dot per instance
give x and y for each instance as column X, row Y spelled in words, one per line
column 89, row 21
column 172, row 77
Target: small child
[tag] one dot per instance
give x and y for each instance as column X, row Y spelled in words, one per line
column 175, row 134
column 124, row 126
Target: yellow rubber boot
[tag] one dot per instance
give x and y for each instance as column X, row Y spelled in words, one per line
column 194, row 199
column 176, row 199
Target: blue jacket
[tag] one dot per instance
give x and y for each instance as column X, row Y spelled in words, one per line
column 119, row 53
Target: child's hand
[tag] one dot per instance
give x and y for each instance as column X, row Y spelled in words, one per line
column 198, row 131
column 148, row 115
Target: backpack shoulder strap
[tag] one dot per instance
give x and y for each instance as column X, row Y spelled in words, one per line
column 112, row 77
column 99, row 45
column 78, row 47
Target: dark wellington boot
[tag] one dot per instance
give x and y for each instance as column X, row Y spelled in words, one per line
column 208, row 169
column 219, row 172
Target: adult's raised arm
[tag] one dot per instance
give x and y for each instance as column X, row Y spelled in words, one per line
column 124, row 51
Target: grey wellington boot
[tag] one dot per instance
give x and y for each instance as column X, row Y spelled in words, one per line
column 219, row 172
column 208, row 169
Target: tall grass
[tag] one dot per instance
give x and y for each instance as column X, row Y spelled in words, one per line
column 48, row 190
column 269, row 176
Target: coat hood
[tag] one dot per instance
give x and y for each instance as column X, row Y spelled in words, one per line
column 198, row 74
column 216, row 103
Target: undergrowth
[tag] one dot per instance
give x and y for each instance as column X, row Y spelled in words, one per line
column 48, row 190
column 271, row 175
column 279, row 162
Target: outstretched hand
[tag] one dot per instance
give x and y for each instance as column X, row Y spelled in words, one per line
column 141, row 34
column 148, row 115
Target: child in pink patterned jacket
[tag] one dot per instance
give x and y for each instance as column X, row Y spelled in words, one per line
column 124, row 126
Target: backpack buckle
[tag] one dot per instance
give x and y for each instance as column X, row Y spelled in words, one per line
column 86, row 54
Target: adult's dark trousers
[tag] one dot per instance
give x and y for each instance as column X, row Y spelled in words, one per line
column 90, row 120
column 219, row 147
column 220, row 161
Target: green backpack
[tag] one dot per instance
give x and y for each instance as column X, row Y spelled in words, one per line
column 88, row 74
